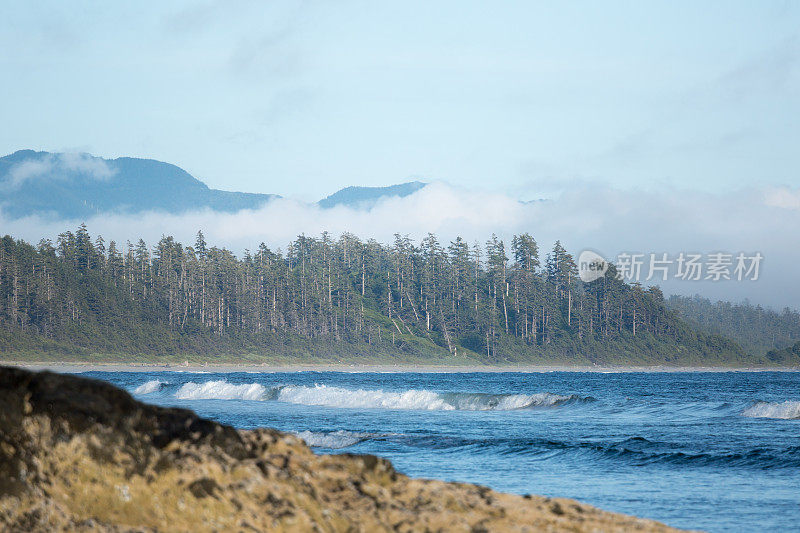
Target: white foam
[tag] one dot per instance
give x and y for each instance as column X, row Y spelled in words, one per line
column 154, row 385
column 413, row 399
column 220, row 390
column 359, row 398
column 333, row 439
column 788, row 410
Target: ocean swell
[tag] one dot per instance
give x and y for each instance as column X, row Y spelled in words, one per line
column 788, row 410
column 636, row 451
column 413, row 399
column 332, row 439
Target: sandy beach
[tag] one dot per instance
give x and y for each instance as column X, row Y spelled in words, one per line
column 75, row 367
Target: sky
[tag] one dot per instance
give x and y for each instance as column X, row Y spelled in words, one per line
column 632, row 126
column 303, row 98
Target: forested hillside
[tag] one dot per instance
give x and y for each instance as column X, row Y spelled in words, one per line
column 366, row 197
column 332, row 299
column 755, row 328
column 786, row 355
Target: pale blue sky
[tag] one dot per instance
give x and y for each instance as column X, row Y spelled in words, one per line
column 302, row 98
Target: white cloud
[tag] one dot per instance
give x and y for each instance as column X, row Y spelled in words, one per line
column 603, row 218
column 29, row 169
column 93, row 167
column 54, row 166
column 783, row 197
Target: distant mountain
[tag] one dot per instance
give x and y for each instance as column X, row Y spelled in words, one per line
column 366, row 197
column 80, row 186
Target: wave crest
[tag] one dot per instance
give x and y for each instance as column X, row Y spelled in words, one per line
column 413, row 399
column 154, row 385
column 788, row 410
column 220, row 390
column 510, row 402
column 333, row 439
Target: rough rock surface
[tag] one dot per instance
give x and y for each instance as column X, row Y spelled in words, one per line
column 79, row 455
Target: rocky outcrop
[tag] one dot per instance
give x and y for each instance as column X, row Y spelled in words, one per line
column 78, row 454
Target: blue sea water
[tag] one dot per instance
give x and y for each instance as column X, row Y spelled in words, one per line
column 712, row 451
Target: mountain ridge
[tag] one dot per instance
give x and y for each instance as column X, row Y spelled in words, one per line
column 366, row 197
column 81, row 185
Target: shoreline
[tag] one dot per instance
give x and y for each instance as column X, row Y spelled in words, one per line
column 94, row 366
column 153, row 468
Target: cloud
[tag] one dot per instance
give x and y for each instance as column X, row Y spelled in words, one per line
column 93, row 167
column 195, row 17
column 27, row 170
column 439, row 208
column 774, row 70
column 597, row 216
column 268, row 54
column 783, row 197
column 58, row 166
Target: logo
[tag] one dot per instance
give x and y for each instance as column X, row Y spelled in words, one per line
column 591, row 266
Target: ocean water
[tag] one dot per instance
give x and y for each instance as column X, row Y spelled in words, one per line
column 712, row 451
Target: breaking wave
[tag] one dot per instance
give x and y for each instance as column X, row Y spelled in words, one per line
column 154, row 385
column 328, row 396
column 332, row 439
column 412, row 399
column 220, row 390
column 788, row 410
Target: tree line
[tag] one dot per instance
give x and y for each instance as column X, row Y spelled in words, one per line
column 756, row 328
column 492, row 299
